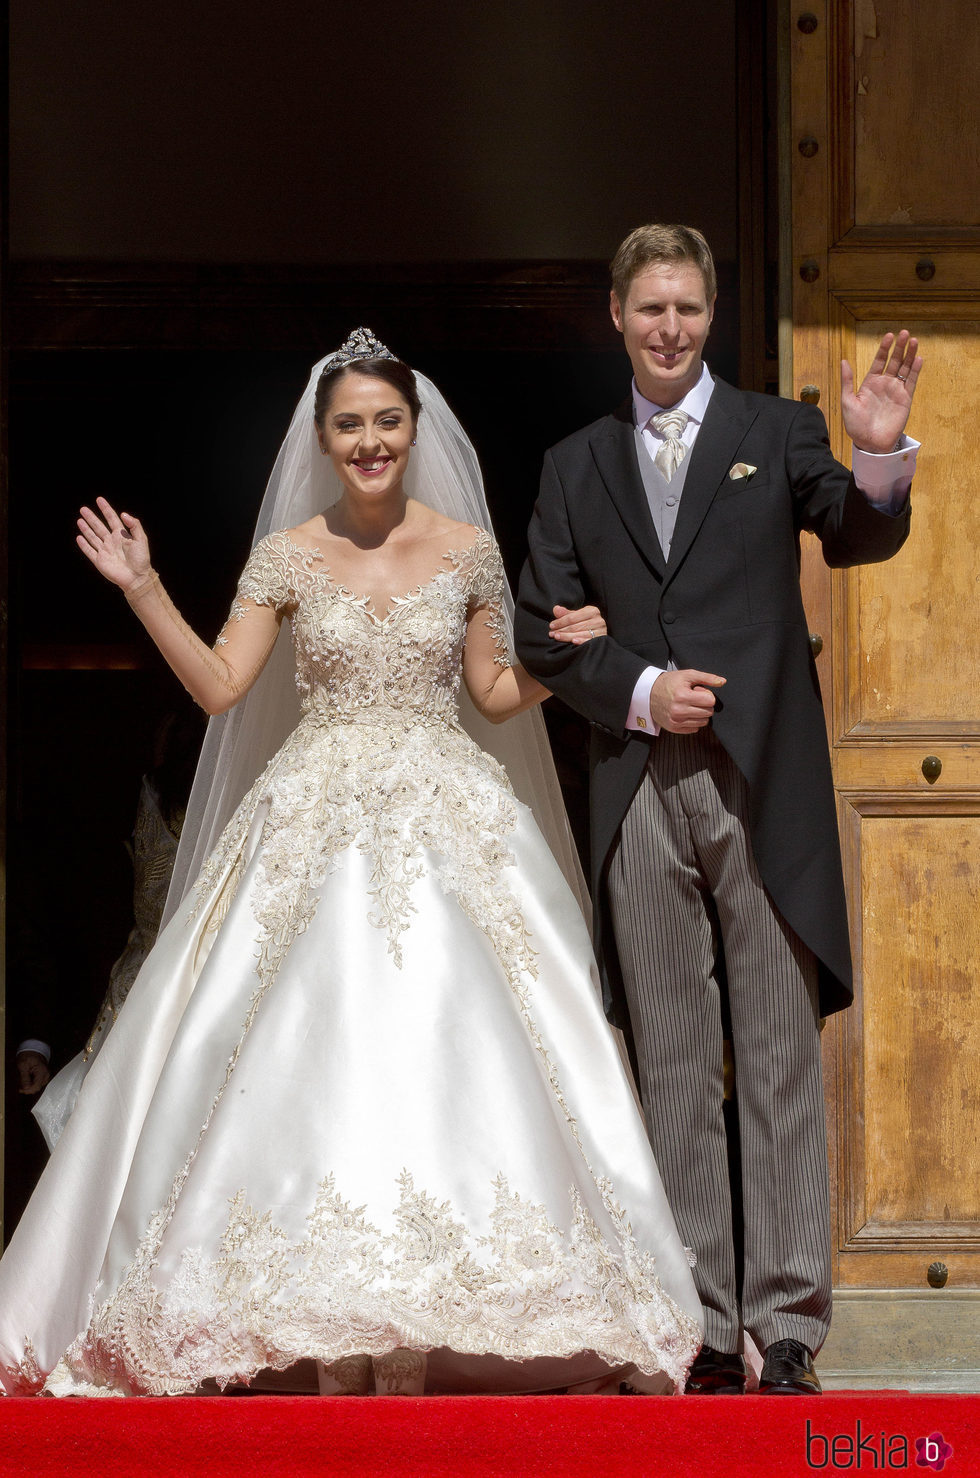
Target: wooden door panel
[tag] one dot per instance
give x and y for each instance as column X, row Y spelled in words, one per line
column 916, row 146
column 920, row 942
column 909, row 1118
column 912, row 633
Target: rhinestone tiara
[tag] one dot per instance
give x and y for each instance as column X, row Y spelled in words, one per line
column 360, row 345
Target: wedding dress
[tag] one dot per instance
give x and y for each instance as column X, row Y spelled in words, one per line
column 361, row 1096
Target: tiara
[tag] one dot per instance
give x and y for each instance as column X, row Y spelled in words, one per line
column 361, row 345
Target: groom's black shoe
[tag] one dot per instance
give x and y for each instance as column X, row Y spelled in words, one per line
column 788, row 1370
column 716, row 1374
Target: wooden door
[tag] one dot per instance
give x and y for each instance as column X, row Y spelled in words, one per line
column 884, row 144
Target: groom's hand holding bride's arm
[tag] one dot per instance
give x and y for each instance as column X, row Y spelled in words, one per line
column 499, row 692
column 215, row 678
column 681, row 702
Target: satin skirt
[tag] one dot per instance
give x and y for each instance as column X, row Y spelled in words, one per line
column 375, row 1148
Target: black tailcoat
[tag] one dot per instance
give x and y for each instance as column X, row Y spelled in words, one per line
column 727, row 601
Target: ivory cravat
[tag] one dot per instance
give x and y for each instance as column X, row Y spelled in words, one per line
column 671, row 425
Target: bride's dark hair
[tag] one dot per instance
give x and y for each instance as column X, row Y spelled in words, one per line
column 394, row 371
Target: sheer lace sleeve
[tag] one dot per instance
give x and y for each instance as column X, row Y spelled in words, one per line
column 218, row 677
column 486, row 593
column 499, row 687
column 265, row 581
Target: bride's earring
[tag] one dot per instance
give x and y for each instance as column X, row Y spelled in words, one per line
column 399, row 1373
column 348, row 1376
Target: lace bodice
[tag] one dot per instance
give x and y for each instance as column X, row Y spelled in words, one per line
column 404, row 666
column 379, row 759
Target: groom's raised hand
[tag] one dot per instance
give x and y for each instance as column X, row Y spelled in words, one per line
column 875, row 414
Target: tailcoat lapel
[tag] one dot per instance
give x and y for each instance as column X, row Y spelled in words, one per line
column 614, row 451
column 727, row 419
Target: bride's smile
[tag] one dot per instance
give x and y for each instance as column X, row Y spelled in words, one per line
column 368, row 434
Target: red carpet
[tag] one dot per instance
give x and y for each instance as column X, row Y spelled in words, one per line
column 489, row 1436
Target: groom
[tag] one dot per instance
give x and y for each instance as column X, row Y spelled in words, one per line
column 716, row 867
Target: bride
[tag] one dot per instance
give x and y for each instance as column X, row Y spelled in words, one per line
column 361, row 1106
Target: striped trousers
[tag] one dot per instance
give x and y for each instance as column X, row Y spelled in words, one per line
column 692, row 920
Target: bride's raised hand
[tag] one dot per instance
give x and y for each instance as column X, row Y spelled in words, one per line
column 115, row 543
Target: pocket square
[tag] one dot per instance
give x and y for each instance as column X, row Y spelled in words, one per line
column 742, row 471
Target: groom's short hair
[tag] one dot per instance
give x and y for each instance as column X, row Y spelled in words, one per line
column 651, row 246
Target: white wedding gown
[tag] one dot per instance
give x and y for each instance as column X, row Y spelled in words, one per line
column 362, row 1095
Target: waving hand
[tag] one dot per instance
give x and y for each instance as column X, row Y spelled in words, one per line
column 875, row 414
column 115, row 544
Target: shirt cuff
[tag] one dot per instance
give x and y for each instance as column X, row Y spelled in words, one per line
column 885, row 477
column 33, row 1045
column 639, row 715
